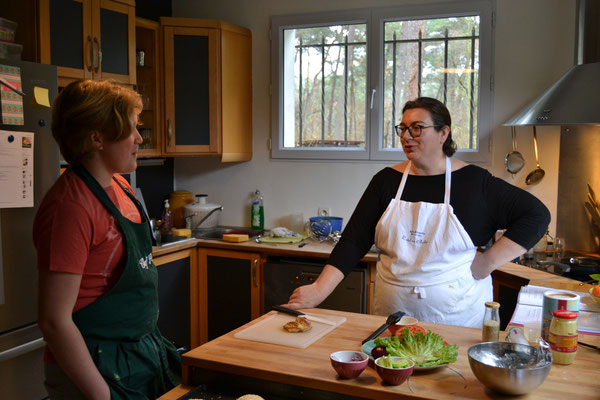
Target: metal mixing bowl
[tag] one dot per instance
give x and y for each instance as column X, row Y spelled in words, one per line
column 509, row 368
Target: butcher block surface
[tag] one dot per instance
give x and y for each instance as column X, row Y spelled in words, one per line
column 311, row 367
column 270, row 330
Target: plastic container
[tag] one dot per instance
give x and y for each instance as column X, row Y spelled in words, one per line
column 490, row 331
column 257, row 211
column 167, row 219
column 7, row 30
column 193, row 213
column 563, row 336
column 10, row 51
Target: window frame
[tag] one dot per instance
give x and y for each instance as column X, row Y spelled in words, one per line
column 375, row 18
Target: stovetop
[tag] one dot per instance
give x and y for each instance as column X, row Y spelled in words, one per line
column 559, row 265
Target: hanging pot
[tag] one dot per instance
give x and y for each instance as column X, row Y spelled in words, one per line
column 200, row 209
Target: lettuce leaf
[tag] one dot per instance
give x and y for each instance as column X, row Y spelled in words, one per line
column 426, row 350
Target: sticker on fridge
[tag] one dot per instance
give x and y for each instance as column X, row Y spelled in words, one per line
column 10, row 97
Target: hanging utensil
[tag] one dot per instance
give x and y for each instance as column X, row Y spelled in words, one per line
column 514, row 160
column 538, row 173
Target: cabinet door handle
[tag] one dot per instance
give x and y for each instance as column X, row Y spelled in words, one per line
column 90, row 54
column 254, row 273
column 169, row 133
column 98, row 53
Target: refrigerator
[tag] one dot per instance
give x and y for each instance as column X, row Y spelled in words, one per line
column 21, row 342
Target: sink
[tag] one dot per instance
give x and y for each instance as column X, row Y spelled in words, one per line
column 217, row 232
column 166, row 240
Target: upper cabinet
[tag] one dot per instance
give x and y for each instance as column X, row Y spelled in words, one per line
column 207, row 89
column 88, row 39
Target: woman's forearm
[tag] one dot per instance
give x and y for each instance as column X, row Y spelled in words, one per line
column 70, row 351
column 312, row 295
column 501, row 252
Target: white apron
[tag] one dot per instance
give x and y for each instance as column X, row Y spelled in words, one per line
column 424, row 265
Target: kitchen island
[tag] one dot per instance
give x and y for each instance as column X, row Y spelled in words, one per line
column 310, row 368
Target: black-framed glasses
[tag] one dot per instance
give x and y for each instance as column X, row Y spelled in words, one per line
column 414, row 130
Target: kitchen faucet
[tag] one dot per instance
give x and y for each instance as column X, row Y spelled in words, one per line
column 188, row 219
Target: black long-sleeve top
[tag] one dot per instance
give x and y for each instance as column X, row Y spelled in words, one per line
column 482, row 203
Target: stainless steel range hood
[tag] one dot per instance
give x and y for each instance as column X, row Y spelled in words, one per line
column 573, row 102
column 575, row 98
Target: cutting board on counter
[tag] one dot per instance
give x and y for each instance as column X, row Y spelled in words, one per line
column 270, row 330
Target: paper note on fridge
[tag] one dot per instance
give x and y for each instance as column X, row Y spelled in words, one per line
column 41, row 96
column 16, row 169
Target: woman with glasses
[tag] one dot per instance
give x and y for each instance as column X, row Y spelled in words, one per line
column 427, row 216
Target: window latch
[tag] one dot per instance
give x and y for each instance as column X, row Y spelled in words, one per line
column 373, row 97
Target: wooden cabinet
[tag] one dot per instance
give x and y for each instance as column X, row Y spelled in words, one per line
column 178, row 297
column 88, row 39
column 229, row 290
column 147, row 34
column 207, row 89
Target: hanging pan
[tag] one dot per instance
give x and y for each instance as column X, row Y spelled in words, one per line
column 538, row 173
column 514, row 161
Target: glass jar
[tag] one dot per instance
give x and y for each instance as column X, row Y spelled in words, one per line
column 177, row 200
column 563, row 336
column 490, row 331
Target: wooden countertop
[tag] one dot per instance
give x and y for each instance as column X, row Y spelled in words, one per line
column 312, row 249
column 311, row 367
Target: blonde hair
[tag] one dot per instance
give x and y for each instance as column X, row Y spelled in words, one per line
column 83, row 107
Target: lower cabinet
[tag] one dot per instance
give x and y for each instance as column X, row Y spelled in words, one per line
column 178, row 298
column 229, row 290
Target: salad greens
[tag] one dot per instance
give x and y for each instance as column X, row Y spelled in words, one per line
column 426, row 350
column 388, row 362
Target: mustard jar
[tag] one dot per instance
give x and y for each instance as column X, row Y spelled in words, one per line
column 563, row 336
column 490, row 331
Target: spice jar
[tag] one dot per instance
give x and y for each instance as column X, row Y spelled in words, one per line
column 491, row 322
column 563, row 336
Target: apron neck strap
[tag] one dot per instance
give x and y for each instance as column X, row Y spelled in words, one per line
column 448, row 180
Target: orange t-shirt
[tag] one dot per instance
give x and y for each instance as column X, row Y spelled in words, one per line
column 73, row 232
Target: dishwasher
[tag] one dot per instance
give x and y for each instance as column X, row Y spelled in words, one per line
column 282, row 275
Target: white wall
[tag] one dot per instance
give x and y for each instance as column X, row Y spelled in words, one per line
column 534, row 47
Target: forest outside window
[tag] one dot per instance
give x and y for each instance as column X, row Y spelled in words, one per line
column 340, row 79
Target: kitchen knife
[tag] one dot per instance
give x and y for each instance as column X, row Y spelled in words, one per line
column 391, row 320
column 297, row 313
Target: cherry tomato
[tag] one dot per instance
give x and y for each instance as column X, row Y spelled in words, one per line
column 596, row 291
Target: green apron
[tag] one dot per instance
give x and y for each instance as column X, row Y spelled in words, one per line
column 120, row 328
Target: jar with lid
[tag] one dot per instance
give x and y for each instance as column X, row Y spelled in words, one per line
column 490, row 331
column 563, row 336
column 177, row 200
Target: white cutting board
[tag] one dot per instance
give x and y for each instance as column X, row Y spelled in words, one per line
column 270, row 330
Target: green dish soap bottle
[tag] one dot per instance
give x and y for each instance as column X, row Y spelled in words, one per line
column 257, row 212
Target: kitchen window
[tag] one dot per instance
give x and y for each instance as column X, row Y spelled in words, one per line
column 340, row 79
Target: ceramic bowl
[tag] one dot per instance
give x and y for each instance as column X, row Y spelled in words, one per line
column 595, row 298
column 404, row 322
column 509, row 368
column 349, row 363
column 394, row 376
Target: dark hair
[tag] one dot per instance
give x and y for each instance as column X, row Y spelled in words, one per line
column 440, row 115
column 83, row 107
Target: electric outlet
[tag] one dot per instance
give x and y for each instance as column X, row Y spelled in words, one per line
column 324, row 212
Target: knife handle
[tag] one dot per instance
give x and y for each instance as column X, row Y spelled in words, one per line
column 286, row 310
column 378, row 332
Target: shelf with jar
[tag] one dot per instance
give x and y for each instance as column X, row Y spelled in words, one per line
column 148, row 86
